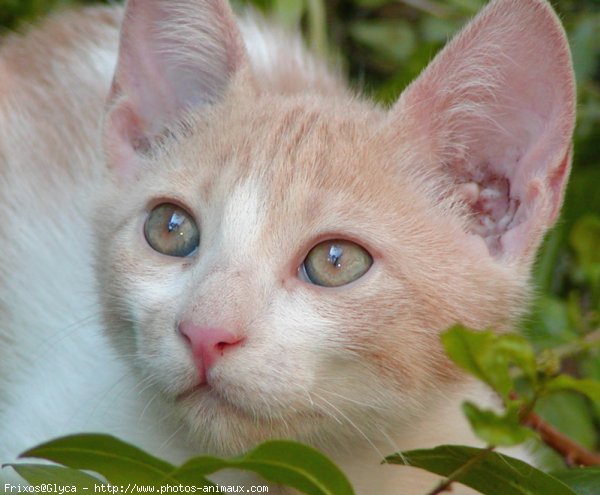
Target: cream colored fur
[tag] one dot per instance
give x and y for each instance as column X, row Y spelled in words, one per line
column 273, row 155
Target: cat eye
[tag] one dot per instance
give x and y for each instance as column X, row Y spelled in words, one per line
column 171, row 230
column 334, row 263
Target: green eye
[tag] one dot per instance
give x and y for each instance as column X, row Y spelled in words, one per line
column 335, row 262
column 171, row 230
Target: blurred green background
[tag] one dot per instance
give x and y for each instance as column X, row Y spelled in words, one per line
column 383, row 44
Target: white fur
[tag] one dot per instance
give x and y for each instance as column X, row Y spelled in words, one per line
column 60, row 375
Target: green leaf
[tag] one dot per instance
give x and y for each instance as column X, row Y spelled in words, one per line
column 279, row 461
column 488, row 472
column 511, row 349
column 569, row 413
column 494, row 429
column 583, row 481
column 117, row 461
column 589, row 388
column 462, row 345
column 40, row 474
column 489, row 356
column 286, row 462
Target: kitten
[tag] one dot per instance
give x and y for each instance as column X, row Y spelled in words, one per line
column 265, row 254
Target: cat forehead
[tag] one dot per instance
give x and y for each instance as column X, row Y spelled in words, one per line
column 281, row 136
column 293, row 145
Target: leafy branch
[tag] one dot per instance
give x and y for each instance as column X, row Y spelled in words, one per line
column 508, row 363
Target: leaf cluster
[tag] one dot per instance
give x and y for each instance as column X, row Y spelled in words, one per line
column 90, row 460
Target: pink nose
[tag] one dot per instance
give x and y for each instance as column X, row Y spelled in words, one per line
column 207, row 344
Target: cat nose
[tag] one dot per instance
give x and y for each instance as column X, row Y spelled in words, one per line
column 208, row 344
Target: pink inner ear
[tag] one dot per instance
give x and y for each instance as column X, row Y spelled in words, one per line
column 124, row 141
column 173, row 57
column 498, row 108
column 493, row 207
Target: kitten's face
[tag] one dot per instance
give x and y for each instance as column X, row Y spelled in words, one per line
column 448, row 193
column 266, row 179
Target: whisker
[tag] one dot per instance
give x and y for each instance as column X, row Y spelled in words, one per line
column 353, row 401
column 351, row 423
column 165, row 444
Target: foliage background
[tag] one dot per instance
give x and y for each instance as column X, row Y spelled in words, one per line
column 383, row 45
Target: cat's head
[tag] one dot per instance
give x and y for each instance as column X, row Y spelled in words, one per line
column 283, row 264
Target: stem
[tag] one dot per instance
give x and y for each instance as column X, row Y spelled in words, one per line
column 445, row 485
column 573, row 453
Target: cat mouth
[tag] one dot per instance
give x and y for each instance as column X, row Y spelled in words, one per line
column 209, row 398
column 204, row 405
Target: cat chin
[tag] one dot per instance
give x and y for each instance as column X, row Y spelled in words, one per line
column 221, row 428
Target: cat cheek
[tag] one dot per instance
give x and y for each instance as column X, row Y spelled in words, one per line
column 278, row 360
column 163, row 357
column 153, row 299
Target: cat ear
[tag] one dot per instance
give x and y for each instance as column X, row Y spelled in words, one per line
column 496, row 109
column 173, row 57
